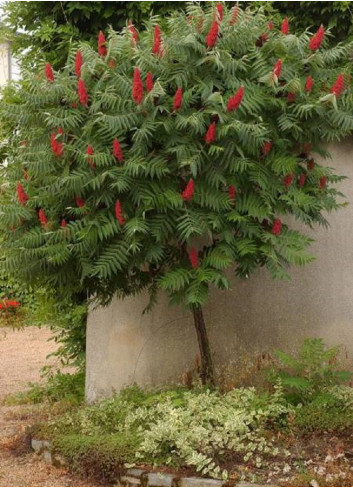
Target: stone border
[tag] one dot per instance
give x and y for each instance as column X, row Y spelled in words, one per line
column 136, row 477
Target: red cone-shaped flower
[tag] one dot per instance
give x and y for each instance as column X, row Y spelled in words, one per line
column 178, row 99
column 117, row 152
column 285, row 26
column 102, row 49
column 212, row 35
column 288, row 179
column 338, row 86
column 309, row 83
column 82, row 92
column 79, row 202
column 277, row 68
column 277, row 227
column 111, row 63
column 311, row 164
column 211, row 133
column 266, row 148
column 135, row 36
column 119, row 213
column 42, row 217
column 291, row 97
column 63, row 223
column 235, row 101
column 220, row 11
column 193, row 257
column 78, row 63
column 156, row 48
column 316, row 41
column 232, row 192
column 301, row 180
column 189, row 190
column 49, row 74
column 21, row 194
column 149, row 82
column 137, row 87
column 323, row 182
column 270, row 25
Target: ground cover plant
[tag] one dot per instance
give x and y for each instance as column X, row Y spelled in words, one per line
column 165, row 159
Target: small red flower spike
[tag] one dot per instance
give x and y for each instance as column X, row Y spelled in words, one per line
column 137, row 87
column 309, row 83
column 235, row 101
column 338, row 86
column 117, row 152
column 277, row 227
column 288, row 179
column 189, row 191
column 42, row 217
column 266, row 148
column 212, row 35
column 211, row 133
column 78, row 63
column 149, row 82
column 285, row 26
column 63, row 223
column 82, row 92
column 277, row 68
column 49, row 74
column 79, row 202
column 311, row 164
column 193, row 257
column 178, row 99
column 323, row 182
column 301, row 180
column 102, row 49
column 22, row 196
column 232, row 193
column 156, row 48
column 119, row 213
column 316, row 41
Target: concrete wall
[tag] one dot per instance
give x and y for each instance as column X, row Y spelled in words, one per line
column 257, row 314
column 9, row 69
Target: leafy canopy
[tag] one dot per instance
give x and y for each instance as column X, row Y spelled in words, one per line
column 120, row 187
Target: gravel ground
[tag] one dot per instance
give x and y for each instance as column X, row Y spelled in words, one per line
column 22, row 354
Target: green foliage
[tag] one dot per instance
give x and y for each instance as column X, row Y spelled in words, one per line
column 99, row 456
column 49, row 28
column 311, row 372
column 182, row 427
column 163, row 149
column 58, row 387
column 327, row 412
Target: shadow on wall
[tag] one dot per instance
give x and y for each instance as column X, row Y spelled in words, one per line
column 257, row 314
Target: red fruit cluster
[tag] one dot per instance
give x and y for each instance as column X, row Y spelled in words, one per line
column 63, row 223
column 309, row 83
column 211, row 133
column 117, row 152
column 149, row 82
column 135, row 36
column 285, row 26
column 193, row 257
column 42, row 217
column 301, row 180
column 220, row 11
column 212, row 35
column 56, row 146
column 288, row 179
column 178, row 99
column 277, row 68
column 270, row 25
column 137, row 87
column 78, row 63
column 119, row 213
column 90, row 152
column 82, row 92
column 338, row 86
column 323, row 182
column 266, row 148
column 290, row 96
column 22, row 196
column 232, row 193
column 235, row 101
column 49, row 74
column 102, row 48
column 316, row 41
column 277, row 227
column 234, row 17
column 156, row 48
column 79, row 202
column 311, row 164
column 188, row 192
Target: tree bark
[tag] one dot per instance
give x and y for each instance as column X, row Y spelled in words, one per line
column 207, row 371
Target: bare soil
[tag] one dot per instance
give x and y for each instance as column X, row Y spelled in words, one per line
column 23, row 352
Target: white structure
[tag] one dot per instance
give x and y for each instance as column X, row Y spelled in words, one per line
column 9, row 69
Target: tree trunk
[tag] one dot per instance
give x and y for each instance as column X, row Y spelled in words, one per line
column 207, row 371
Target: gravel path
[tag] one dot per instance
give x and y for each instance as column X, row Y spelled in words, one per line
column 22, row 354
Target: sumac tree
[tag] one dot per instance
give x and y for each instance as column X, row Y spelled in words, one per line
column 166, row 159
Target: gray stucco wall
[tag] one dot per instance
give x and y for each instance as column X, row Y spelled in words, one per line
column 257, row 314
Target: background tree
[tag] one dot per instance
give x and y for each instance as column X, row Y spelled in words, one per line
column 170, row 158
column 47, row 29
